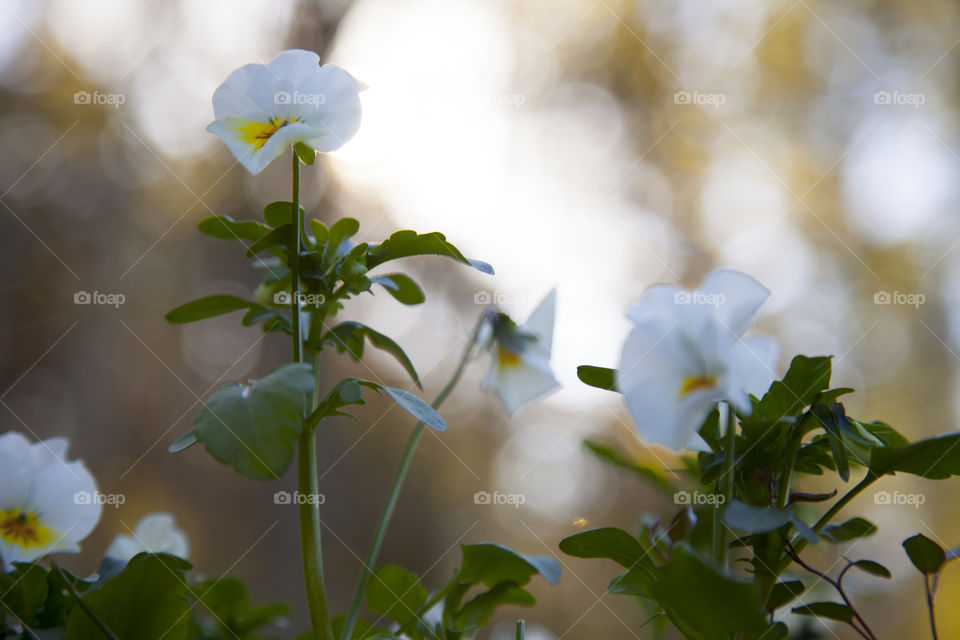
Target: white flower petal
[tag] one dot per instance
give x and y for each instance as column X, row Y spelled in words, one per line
column 540, row 322
column 244, row 137
column 518, row 384
column 657, row 304
column 155, row 533
column 756, row 357
column 738, row 297
column 662, row 417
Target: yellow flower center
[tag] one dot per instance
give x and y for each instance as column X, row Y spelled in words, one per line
column 23, row 528
column 508, row 358
column 256, row 134
column 695, row 383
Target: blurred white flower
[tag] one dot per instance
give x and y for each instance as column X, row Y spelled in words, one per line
column 686, row 353
column 47, row 504
column 521, row 371
column 261, row 110
column 155, row 533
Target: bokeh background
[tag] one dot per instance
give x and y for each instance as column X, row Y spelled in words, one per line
column 595, row 146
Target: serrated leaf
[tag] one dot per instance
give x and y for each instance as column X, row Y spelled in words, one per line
column 805, row 378
column 599, row 377
column 407, row 243
column 349, row 391
column 254, row 427
column 145, row 601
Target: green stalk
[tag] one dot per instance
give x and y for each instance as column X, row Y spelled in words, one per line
column 309, row 511
column 520, row 629
column 727, row 476
column 366, row 571
column 800, row 542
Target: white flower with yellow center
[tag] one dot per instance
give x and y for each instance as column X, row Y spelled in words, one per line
column 261, row 109
column 47, row 504
column 155, row 533
column 686, row 353
column 521, row 370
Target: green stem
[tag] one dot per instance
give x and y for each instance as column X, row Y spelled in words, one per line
column 728, row 476
column 799, row 542
column 933, row 618
column 366, row 571
column 520, row 624
column 309, row 510
column 431, row 603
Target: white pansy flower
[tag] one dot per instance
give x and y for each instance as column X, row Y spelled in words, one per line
column 686, row 353
column 261, row 109
column 521, row 371
column 47, row 504
column 155, row 533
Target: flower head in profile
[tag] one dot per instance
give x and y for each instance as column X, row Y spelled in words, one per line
column 521, row 371
column 155, row 533
column 687, row 352
column 47, row 503
column 261, row 109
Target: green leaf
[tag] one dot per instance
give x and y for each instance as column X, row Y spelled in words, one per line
column 349, row 336
column 599, row 377
column 703, row 603
column 784, row 592
column 401, row 287
column 805, row 378
column 635, row 582
column 338, row 241
column 184, row 442
column 145, row 601
column 607, row 542
column 226, row 228
column 829, row 610
column 208, row 307
column 320, row 232
column 254, row 427
column 934, row 458
column 227, row 600
column 477, row 612
column 282, row 236
column 24, row 590
column 395, row 593
column 307, row 155
column 851, row 529
column 873, row 568
column 279, row 213
column 748, row 517
column 925, row 554
column 349, row 391
column 404, row 244
column 492, row 564
column 615, row 458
